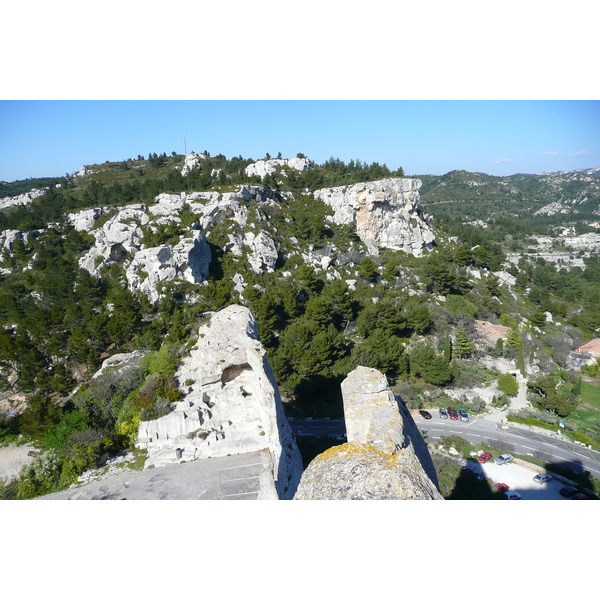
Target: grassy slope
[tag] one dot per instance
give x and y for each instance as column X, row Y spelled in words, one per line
column 588, row 412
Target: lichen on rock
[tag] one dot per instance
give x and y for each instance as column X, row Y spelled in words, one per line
column 385, row 457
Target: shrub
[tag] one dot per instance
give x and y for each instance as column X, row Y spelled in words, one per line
column 41, row 476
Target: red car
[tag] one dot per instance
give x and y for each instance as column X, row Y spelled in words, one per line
column 502, row 487
column 485, row 457
column 452, row 413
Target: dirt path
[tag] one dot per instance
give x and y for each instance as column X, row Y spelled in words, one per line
column 504, row 366
column 12, row 458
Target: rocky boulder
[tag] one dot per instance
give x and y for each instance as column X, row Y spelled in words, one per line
column 231, row 404
column 384, row 213
column 385, row 457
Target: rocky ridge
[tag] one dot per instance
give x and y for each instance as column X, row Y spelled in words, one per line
column 384, row 213
column 385, row 457
column 261, row 168
column 21, row 199
column 231, row 404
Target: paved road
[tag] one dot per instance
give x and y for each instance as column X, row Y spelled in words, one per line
column 516, row 439
column 226, row 478
column 333, row 428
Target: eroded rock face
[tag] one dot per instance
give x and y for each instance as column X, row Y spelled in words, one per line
column 270, row 166
column 385, row 457
column 21, row 199
column 188, row 260
column 84, row 220
column 117, row 238
column 231, row 404
column 191, row 162
column 384, row 213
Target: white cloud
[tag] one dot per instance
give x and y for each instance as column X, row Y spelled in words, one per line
column 578, row 153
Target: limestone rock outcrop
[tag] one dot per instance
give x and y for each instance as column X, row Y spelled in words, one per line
column 385, row 457
column 117, row 238
column 384, row 213
column 270, row 166
column 8, row 238
column 188, row 260
column 191, row 162
column 21, row 199
column 84, row 220
column 231, row 404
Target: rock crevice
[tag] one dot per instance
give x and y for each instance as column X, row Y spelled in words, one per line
column 385, row 457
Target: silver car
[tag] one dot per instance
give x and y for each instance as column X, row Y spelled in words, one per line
column 542, row 478
column 443, row 413
column 503, row 459
column 463, row 415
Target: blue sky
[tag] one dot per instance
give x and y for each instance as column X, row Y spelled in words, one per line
column 40, row 138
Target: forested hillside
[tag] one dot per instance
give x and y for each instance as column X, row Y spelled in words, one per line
column 412, row 317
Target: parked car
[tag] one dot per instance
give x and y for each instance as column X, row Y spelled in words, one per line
column 443, row 413
column 513, row 495
column 463, row 415
column 485, row 457
column 503, row 459
column 502, row 487
column 542, row 478
column 568, row 491
column 425, row 414
column 452, row 413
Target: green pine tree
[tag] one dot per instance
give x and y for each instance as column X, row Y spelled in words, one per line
column 462, row 344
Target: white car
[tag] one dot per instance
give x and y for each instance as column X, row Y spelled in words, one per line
column 542, row 478
column 513, row 495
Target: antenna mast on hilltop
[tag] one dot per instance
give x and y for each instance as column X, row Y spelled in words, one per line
column 184, row 145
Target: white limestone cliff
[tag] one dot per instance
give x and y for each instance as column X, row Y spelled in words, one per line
column 188, row 260
column 385, row 457
column 231, row 404
column 21, row 199
column 384, row 213
column 270, row 166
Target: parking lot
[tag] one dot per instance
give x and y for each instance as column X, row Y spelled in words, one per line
column 520, row 479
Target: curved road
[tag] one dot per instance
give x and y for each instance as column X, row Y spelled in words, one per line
column 517, row 440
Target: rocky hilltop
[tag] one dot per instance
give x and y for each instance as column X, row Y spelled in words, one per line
column 385, row 213
column 231, row 404
column 385, row 457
